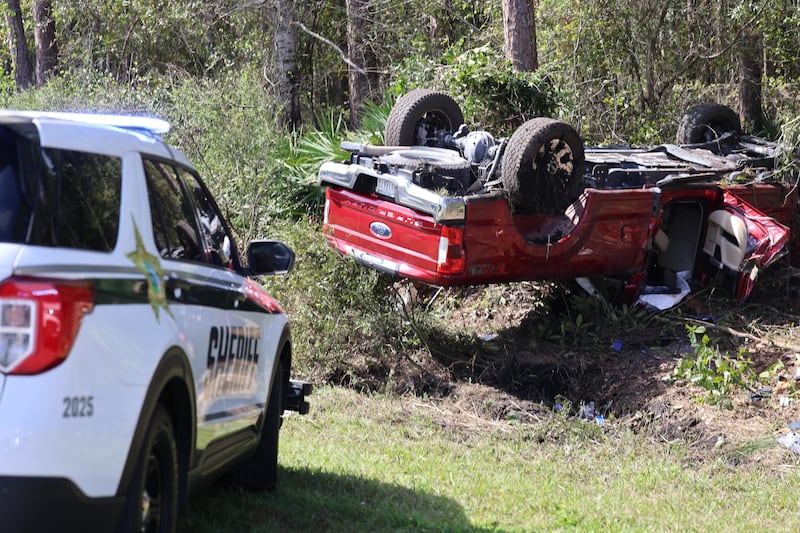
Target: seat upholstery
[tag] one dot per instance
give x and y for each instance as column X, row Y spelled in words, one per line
column 726, row 240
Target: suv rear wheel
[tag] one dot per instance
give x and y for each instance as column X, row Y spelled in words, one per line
column 152, row 504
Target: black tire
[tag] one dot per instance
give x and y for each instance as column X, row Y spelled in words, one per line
column 422, row 117
column 152, row 504
column 260, row 471
column 706, row 122
column 542, row 167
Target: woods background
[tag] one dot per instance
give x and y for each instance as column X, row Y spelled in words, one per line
column 618, row 70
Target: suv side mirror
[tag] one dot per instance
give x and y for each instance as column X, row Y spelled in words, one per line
column 269, row 257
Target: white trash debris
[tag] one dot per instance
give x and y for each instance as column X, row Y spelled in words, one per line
column 791, row 441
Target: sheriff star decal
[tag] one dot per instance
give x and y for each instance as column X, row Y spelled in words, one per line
column 150, row 266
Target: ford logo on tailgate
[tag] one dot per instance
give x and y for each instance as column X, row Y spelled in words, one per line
column 380, row 230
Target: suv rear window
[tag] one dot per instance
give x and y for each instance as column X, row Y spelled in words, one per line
column 61, row 198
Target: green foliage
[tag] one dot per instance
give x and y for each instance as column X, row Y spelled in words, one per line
column 373, row 122
column 631, row 69
column 87, row 90
column 627, row 64
column 575, row 331
column 294, row 192
column 719, row 373
column 228, row 129
column 588, row 322
column 488, row 87
column 413, row 72
column 780, row 24
column 339, row 310
column 621, row 72
column 402, row 36
column 492, row 95
column 139, row 38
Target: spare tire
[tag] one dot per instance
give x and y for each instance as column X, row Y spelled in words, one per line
column 707, row 122
column 416, row 156
column 441, row 160
column 542, row 167
column 422, row 117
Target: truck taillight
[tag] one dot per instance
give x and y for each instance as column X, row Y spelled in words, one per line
column 39, row 320
column 451, row 251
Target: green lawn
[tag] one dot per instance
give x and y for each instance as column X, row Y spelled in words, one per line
column 377, row 463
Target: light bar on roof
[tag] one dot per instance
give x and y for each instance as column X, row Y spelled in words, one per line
column 153, row 125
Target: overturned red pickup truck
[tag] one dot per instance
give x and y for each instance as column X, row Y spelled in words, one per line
column 445, row 206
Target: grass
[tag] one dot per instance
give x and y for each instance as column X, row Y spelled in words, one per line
column 380, row 463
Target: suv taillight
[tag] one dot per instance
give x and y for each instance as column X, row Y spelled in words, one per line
column 39, row 320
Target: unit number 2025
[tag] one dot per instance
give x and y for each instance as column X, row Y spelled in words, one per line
column 78, row 406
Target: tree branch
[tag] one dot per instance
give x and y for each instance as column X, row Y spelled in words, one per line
column 738, row 33
column 330, row 43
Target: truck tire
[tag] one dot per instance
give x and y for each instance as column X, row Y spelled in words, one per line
column 706, row 122
column 542, row 167
column 422, row 117
column 152, row 503
column 260, row 471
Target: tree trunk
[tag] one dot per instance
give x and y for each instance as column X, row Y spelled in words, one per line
column 519, row 23
column 750, row 110
column 286, row 62
column 23, row 75
column 44, row 39
column 361, row 72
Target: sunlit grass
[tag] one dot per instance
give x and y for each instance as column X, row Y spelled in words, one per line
column 359, row 463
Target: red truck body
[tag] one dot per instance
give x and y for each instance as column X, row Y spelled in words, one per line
column 612, row 236
column 463, row 208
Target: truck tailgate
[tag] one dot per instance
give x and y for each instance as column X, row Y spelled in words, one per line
column 383, row 235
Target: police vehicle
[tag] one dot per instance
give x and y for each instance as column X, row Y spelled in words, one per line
column 137, row 358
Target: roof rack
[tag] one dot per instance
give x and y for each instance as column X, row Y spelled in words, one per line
column 152, row 125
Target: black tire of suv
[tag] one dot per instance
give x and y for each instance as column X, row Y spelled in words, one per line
column 436, row 110
column 260, row 471
column 542, row 167
column 706, row 122
column 155, row 478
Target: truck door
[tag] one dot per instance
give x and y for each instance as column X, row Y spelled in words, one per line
column 740, row 242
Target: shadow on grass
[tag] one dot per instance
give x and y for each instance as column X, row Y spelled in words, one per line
column 563, row 350
column 315, row 501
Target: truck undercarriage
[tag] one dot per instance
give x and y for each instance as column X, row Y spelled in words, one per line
column 446, row 206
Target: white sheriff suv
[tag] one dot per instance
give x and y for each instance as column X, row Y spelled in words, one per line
column 137, row 359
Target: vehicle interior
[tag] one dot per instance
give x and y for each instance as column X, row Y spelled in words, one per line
column 676, row 244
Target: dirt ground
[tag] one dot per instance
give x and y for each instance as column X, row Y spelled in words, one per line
column 506, row 353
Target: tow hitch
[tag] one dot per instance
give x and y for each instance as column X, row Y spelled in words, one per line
column 296, row 397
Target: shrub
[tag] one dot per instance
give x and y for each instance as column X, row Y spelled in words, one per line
column 719, row 373
column 490, row 92
column 340, row 311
